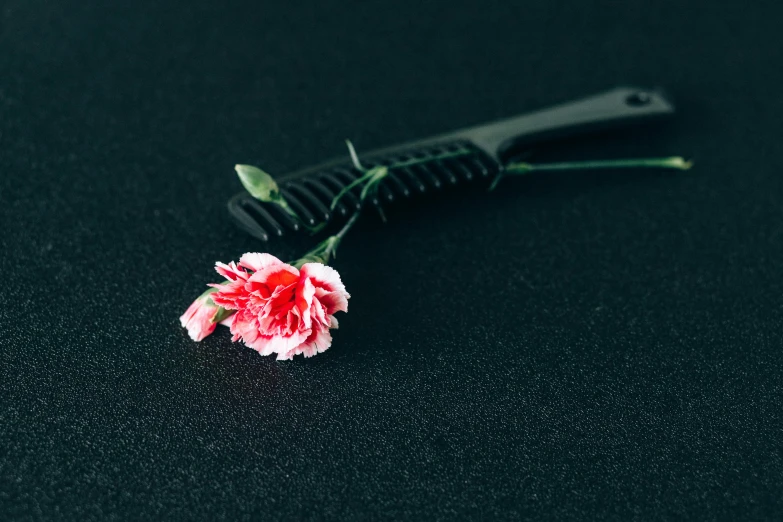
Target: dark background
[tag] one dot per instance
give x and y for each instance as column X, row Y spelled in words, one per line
column 603, row 345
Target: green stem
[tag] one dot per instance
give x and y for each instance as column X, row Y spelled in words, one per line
column 327, row 248
column 358, row 181
column 673, row 162
column 334, row 241
column 282, row 203
column 368, row 174
column 347, row 226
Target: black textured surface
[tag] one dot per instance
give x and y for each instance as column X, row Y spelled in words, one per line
column 572, row 346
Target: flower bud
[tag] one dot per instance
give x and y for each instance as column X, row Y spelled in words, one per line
column 258, row 183
column 202, row 316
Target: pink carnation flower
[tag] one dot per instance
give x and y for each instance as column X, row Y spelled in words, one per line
column 200, row 317
column 280, row 309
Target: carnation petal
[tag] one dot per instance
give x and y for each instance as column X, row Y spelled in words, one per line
column 304, row 300
column 323, row 276
column 318, row 312
column 256, row 261
column 332, row 301
column 230, row 296
column 231, row 271
column 198, row 319
column 190, row 312
column 274, row 276
column 279, row 309
column 319, row 341
column 330, row 290
column 267, row 345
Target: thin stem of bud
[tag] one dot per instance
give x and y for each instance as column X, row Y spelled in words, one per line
column 673, row 162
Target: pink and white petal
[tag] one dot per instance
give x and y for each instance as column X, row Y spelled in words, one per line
column 319, row 341
column 228, row 286
column 332, row 301
column 281, row 295
column 275, row 275
column 231, row 296
column 333, row 324
column 280, row 344
column 200, row 333
column 267, row 345
column 231, row 271
column 256, row 261
column 286, row 356
column 244, row 326
column 190, row 312
column 318, row 313
column 324, row 276
column 268, row 325
column 293, row 320
column 304, row 300
column 259, row 344
column 199, row 324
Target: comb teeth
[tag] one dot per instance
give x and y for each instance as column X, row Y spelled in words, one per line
column 311, row 194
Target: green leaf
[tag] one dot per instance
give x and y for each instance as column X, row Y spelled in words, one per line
column 258, row 183
column 221, row 314
column 354, row 157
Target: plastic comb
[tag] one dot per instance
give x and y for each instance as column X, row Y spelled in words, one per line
column 464, row 156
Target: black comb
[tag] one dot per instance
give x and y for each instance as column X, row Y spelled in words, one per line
column 468, row 155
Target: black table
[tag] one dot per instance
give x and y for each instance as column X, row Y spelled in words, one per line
column 585, row 346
